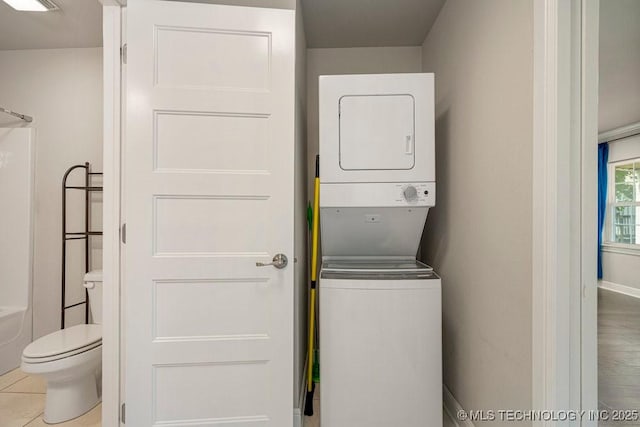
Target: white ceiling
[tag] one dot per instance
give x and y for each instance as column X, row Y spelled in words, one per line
column 362, row 23
column 328, row 23
column 78, row 23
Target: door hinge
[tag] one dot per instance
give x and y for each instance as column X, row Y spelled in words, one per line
column 122, row 413
column 123, row 233
column 123, row 53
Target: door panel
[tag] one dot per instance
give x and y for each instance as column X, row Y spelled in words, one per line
column 233, row 60
column 208, row 193
column 250, row 381
column 183, row 225
column 232, row 136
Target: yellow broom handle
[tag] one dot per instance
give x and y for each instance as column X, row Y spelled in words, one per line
column 316, row 213
column 314, row 267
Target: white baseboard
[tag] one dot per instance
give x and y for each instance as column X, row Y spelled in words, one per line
column 451, row 406
column 297, row 417
column 298, row 413
column 621, row 289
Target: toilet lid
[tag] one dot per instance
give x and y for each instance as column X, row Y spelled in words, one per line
column 64, row 341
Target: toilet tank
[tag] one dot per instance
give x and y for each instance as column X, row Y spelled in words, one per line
column 93, row 283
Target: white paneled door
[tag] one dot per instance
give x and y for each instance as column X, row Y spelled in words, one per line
column 208, row 194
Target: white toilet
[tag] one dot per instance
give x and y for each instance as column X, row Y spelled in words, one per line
column 71, row 361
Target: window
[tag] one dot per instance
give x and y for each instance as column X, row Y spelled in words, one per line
column 624, row 196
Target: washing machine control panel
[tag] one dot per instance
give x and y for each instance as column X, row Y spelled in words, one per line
column 378, row 194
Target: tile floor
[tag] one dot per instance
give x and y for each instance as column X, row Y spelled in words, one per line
column 22, row 403
column 618, row 352
column 314, row 421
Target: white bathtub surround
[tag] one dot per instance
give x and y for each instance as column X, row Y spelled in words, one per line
column 15, row 335
column 16, row 245
column 66, row 107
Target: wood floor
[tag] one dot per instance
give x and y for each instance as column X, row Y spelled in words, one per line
column 618, row 353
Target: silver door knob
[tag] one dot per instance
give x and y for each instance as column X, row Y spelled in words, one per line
column 279, row 261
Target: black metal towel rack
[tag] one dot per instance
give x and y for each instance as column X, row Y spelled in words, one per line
column 87, row 188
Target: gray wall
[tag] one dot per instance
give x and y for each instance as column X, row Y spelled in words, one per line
column 619, row 105
column 621, row 269
column 478, row 236
column 619, row 98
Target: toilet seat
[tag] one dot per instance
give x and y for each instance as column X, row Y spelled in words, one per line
column 64, row 343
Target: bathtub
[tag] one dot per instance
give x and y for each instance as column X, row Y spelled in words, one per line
column 15, row 335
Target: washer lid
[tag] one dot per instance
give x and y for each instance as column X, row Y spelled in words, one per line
column 377, row 270
column 376, row 266
column 64, row 341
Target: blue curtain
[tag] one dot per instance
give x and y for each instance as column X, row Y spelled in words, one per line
column 603, row 158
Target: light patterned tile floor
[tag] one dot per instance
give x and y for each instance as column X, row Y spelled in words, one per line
column 10, row 378
column 22, row 403
column 29, row 384
column 90, row 419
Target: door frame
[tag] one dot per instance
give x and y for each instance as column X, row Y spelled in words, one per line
column 564, row 309
column 590, row 47
column 112, row 132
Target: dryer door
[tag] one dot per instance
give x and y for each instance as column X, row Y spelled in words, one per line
column 377, row 132
column 376, row 128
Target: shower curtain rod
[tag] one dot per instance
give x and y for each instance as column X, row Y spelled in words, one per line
column 18, row 115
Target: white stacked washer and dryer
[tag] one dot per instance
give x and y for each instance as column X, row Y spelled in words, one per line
column 380, row 308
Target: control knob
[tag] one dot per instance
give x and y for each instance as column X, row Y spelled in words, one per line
column 410, row 193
